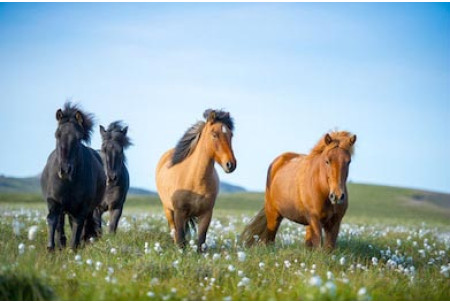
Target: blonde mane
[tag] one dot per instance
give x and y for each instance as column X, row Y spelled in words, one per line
column 340, row 139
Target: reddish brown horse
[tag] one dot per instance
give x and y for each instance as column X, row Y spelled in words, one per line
column 307, row 189
column 186, row 179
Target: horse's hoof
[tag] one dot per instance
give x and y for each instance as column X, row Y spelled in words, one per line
column 50, row 249
column 202, row 249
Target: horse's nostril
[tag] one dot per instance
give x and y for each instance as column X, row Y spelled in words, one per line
column 332, row 196
column 229, row 165
column 342, row 197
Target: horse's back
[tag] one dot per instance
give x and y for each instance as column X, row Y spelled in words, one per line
column 280, row 162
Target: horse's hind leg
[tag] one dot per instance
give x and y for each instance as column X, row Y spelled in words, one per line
column 273, row 223
column 171, row 221
column 203, row 224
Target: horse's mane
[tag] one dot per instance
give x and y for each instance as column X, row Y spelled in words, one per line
column 69, row 115
column 116, row 131
column 190, row 138
column 188, row 142
column 339, row 139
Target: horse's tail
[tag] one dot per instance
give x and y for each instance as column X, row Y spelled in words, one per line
column 256, row 231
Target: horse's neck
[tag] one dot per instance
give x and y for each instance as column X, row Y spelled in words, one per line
column 319, row 171
column 202, row 163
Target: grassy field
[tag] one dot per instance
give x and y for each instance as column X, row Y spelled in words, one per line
column 394, row 245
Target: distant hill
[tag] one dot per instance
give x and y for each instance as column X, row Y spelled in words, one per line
column 230, row 188
column 32, row 185
column 23, row 185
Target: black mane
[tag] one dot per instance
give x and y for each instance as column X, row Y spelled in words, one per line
column 190, row 138
column 187, row 142
column 69, row 115
column 117, row 131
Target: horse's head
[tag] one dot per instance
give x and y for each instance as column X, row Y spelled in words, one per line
column 73, row 127
column 114, row 141
column 336, row 159
column 218, row 133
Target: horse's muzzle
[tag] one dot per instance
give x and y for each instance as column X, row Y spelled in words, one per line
column 65, row 172
column 229, row 167
column 334, row 199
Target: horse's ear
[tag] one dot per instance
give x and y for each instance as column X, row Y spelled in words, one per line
column 125, row 130
column 79, row 118
column 59, row 115
column 212, row 116
column 352, row 140
column 328, row 139
column 102, row 131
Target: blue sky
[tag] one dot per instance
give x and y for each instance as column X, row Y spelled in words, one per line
column 287, row 72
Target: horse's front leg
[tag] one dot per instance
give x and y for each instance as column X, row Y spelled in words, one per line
column 180, row 223
column 203, row 225
column 331, row 233
column 54, row 213
column 60, row 234
column 114, row 217
column 77, row 229
column 313, row 236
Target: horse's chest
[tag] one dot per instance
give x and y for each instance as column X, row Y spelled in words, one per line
column 192, row 203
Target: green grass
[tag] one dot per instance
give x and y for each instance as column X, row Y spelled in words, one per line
column 378, row 217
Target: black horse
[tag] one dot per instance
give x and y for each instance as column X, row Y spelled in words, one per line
column 73, row 180
column 114, row 142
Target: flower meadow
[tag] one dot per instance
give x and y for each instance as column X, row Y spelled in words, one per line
column 376, row 261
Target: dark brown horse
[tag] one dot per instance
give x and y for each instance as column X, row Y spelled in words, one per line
column 73, row 180
column 307, row 189
column 114, row 142
column 186, row 179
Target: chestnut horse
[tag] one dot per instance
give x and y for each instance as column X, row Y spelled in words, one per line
column 307, row 189
column 186, row 179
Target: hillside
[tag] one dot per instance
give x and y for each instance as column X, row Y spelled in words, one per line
column 32, row 185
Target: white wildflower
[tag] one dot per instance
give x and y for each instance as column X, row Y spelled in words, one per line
column 21, row 248
column 330, row 275
column 32, row 232
column 241, row 256
column 315, row 281
column 244, row 282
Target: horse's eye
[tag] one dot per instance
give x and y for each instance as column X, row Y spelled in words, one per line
column 327, row 162
column 215, row 135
